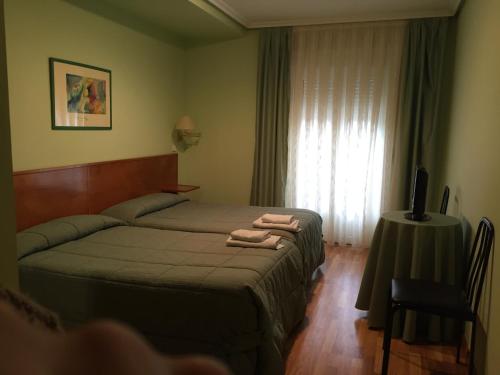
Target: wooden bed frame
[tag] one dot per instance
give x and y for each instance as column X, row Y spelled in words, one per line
column 45, row 194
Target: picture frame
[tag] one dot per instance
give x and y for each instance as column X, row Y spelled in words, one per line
column 80, row 96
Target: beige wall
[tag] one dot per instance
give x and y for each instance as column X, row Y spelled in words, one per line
column 147, row 85
column 472, row 156
column 8, row 264
column 220, row 97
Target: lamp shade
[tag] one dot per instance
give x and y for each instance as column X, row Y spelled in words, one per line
column 185, row 123
column 185, row 134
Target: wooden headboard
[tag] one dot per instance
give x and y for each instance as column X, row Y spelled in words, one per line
column 45, row 194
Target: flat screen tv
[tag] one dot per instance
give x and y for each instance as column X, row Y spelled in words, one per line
column 419, row 196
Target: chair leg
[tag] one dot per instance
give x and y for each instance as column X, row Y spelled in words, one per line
column 460, row 339
column 388, row 335
column 472, row 347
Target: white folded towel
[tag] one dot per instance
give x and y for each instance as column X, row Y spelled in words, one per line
column 293, row 227
column 277, row 219
column 250, row 235
column 273, row 242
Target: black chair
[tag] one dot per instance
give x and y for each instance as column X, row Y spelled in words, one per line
column 444, row 202
column 460, row 302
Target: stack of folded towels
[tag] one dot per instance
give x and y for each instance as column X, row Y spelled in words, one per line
column 273, row 221
column 254, row 238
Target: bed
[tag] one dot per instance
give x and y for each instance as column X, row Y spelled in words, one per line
column 176, row 212
column 185, row 291
column 177, row 283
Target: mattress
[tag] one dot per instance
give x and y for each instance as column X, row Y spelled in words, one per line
column 186, row 292
column 176, row 212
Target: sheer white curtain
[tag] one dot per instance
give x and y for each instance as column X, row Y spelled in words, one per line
column 345, row 82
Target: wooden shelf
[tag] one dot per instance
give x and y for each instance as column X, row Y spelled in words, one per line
column 178, row 188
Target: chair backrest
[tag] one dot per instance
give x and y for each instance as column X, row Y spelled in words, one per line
column 444, row 202
column 478, row 262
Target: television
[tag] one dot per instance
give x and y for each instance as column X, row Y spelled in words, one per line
column 419, row 196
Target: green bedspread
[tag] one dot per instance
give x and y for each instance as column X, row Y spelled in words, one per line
column 187, row 292
column 168, row 211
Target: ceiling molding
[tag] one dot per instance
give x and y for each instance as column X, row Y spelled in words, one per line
column 218, row 14
column 238, row 17
column 229, row 11
column 364, row 18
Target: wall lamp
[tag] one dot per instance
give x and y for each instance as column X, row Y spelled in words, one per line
column 185, row 134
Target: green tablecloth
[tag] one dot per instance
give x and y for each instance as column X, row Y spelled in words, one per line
column 401, row 248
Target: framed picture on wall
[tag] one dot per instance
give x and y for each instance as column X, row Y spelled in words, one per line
column 80, row 96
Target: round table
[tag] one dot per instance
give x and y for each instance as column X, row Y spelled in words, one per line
column 402, row 248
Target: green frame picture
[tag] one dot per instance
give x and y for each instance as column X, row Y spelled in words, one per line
column 80, row 96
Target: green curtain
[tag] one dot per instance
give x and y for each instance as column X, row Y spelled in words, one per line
column 273, row 103
column 419, row 118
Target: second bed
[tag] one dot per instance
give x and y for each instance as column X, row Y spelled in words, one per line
column 176, row 212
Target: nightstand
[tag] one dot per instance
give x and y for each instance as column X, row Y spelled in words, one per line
column 176, row 189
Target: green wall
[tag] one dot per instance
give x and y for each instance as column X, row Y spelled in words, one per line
column 221, row 98
column 472, row 153
column 147, row 85
column 8, row 262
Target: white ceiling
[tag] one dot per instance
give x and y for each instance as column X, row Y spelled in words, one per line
column 267, row 13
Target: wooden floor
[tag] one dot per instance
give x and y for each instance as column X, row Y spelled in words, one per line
column 335, row 339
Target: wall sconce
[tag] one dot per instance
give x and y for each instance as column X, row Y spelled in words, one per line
column 184, row 134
